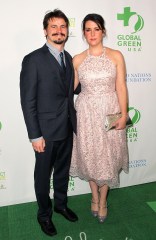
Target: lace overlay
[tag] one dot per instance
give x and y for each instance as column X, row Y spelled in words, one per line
column 98, row 155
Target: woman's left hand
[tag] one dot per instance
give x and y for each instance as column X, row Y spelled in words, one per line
column 120, row 123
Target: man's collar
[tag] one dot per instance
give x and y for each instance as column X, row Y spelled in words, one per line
column 53, row 49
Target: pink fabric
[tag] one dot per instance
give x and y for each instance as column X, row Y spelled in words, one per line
column 98, row 155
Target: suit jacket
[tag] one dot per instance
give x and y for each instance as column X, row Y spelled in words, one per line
column 47, row 95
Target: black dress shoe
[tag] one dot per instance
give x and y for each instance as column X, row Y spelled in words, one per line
column 48, row 227
column 67, row 213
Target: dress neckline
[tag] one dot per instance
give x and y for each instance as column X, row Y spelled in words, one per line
column 103, row 53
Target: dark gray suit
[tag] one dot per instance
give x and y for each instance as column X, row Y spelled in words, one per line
column 48, row 108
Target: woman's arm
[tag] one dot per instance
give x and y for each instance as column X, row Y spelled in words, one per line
column 121, row 89
column 75, row 64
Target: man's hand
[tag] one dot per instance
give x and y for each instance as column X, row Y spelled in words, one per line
column 39, row 145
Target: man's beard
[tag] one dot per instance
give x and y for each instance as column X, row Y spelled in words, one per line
column 59, row 41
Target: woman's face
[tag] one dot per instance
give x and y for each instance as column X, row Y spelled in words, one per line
column 93, row 34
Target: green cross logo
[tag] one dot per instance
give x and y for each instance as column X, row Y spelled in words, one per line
column 125, row 17
column 136, row 115
column 0, row 125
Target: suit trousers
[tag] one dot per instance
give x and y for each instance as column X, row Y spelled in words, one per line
column 54, row 160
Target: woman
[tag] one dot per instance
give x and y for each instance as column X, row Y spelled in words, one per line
column 98, row 156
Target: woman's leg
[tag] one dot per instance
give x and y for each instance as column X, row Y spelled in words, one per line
column 103, row 202
column 95, row 198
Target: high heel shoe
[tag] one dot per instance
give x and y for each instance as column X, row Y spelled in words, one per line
column 101, row 219
column 93, row 212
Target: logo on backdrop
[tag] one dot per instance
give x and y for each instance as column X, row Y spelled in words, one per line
column 133, row 23
column 71, row 184
column 2, row 180
column 132, row 132
column 138, row 163
column 72, row 30
column 127, row 15
column 138, row 77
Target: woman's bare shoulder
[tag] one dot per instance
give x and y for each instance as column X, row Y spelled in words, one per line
column 114, row 53
column 79, row 58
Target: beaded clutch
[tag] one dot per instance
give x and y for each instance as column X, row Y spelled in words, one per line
column 111, row 118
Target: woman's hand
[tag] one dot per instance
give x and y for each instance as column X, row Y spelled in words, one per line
column 120, row 123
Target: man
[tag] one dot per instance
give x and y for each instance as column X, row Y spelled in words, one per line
column 47, row 85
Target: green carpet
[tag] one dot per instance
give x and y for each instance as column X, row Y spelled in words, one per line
column 152, row 205
column 131, row 216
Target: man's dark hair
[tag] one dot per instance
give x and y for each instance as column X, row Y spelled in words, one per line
column 54, row 14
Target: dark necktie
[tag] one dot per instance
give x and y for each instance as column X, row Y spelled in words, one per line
column 62, row 62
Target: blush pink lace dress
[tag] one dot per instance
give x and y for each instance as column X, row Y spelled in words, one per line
column 98, row 155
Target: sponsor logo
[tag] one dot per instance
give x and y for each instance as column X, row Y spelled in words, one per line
column 138, row 163
column 136, row 115
column 131, row 41
column 132, row 132
column 125, row 17
column 72, row 32
column 138, row 77
column 71, row 184
column 2, row 180
column 2, row 175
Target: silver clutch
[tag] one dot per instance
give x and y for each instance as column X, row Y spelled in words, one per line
column 111, row 118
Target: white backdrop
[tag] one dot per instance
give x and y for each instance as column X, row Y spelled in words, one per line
column 129, row 27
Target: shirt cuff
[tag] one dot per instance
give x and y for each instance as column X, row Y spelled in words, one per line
column 35, row 139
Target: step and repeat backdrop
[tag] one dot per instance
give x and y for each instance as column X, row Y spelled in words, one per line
column 130, row 29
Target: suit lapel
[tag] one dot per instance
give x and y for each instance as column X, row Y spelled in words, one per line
column 51, row 60
column 69, row 72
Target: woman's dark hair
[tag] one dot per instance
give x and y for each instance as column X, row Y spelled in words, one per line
column 55, row 14
column 98, row 19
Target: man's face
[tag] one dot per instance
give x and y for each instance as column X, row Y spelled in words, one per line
column 56, row 31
